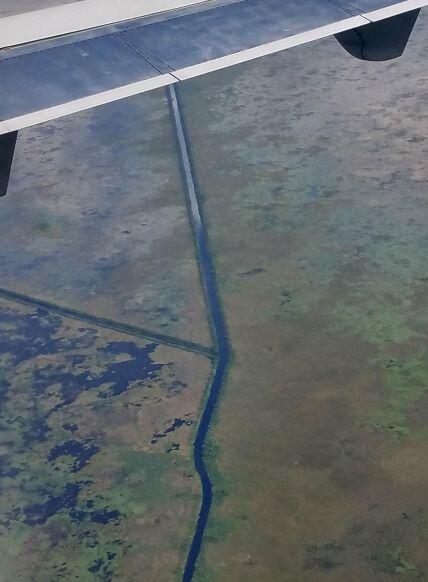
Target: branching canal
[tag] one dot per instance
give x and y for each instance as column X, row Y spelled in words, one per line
column 217, row 322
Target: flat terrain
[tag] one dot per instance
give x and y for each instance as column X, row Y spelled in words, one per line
column 96, row 425
column 319, row 447
column 96, row 219
column 311, row 176
column 95, row 462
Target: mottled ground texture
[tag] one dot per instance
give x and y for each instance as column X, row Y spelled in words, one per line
column 312, row 167
column 96, row 426
column 96, row 473
column 96, row 219
column 96, row 477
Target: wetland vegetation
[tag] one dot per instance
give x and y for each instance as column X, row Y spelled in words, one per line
column 319, row 443
column 312, row 181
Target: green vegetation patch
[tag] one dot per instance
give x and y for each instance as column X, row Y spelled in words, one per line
column 392, row 561
column 83, row 495
column 407, row 383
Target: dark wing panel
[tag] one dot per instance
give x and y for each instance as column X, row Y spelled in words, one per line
column 380, row 9
column 63, row 79
column 44, row 79
column 198, row 38
column 72, row 75
column 370, row 5
column 49, row 84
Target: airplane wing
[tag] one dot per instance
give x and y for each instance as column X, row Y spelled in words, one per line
column 58, row 57
column 23, row 21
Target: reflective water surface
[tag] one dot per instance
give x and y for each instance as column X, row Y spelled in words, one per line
column 310, row 169
column 319, row 443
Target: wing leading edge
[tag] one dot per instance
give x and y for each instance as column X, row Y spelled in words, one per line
column 48, row 80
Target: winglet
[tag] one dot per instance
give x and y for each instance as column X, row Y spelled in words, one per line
column 379, row 41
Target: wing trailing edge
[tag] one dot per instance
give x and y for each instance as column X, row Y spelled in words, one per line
column 46, row 80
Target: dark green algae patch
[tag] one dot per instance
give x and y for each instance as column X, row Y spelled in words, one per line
column 83, row 493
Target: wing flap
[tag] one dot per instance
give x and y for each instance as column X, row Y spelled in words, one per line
column 66, row 78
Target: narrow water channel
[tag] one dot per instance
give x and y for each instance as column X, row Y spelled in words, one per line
column 217, row 322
